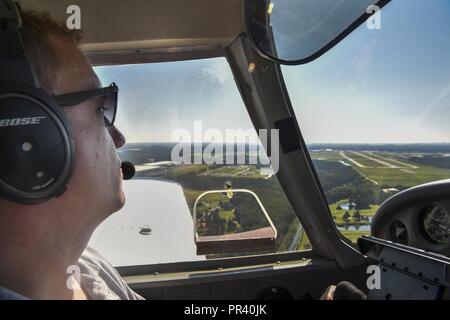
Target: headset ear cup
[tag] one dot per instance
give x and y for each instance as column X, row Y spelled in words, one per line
column 36, row 160
column 37, row 146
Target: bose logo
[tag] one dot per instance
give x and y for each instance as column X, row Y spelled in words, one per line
column 20, row 121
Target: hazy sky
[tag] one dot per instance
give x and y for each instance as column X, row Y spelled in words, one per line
column 377, row 86
column 156, row 99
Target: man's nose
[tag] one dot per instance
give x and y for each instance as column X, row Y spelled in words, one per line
column 117, row 136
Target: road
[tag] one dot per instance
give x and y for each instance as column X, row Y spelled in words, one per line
column 395, row 161
column 240, row 172
column 342, row 153
column 295, row 240
column 386, row 164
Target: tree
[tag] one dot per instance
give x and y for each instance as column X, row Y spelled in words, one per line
column 357, row 216
column 363, row 195
column 220, row 223
column 346, row 215
column 231, row 225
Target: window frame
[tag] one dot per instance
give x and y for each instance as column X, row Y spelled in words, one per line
column 267, row 100
column 332, row 246
column 236, row 261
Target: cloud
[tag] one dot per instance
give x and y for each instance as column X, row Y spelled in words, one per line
column 218, row 72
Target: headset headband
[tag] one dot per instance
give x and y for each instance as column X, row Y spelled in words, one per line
column 10, row 10
column 13, row 62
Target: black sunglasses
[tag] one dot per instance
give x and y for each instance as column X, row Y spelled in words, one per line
column 109, row 106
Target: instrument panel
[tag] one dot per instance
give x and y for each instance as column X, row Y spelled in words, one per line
column 425, row 226
column 435, row 222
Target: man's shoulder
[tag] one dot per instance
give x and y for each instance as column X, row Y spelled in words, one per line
column 93, row 257
column 101, row 279
column 6, row 294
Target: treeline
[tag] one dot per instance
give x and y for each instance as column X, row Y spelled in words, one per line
column 413, row 147
column 434, row 161
column 332, row 174
column 340, row 182
column 363, row 193
column 141, row 153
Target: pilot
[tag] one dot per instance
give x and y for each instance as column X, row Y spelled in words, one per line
column 43, row 248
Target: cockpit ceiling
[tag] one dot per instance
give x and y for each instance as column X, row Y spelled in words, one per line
column 132, row 31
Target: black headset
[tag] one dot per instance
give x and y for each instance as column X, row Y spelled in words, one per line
column 36, row 142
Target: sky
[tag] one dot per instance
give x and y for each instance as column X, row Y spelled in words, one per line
column 157, row 99
column 377, row 86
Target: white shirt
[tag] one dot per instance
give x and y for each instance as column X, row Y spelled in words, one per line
column 100, row 280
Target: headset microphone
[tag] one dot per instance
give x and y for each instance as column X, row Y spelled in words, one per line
column 128, row 170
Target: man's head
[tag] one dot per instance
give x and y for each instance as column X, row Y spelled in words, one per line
column 94, row 191
column 39, row 242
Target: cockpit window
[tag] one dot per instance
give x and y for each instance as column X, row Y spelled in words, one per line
column 374, row 110
column 173, row 114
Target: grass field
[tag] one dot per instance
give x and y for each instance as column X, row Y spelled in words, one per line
column 338, row 214
column 226, row 171
column 382, row 170
column 332, row 155
column 189, row 169
column 386, row 169
column 406, row 176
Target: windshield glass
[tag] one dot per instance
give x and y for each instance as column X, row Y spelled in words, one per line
column 163, row 108
column 374, row 110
